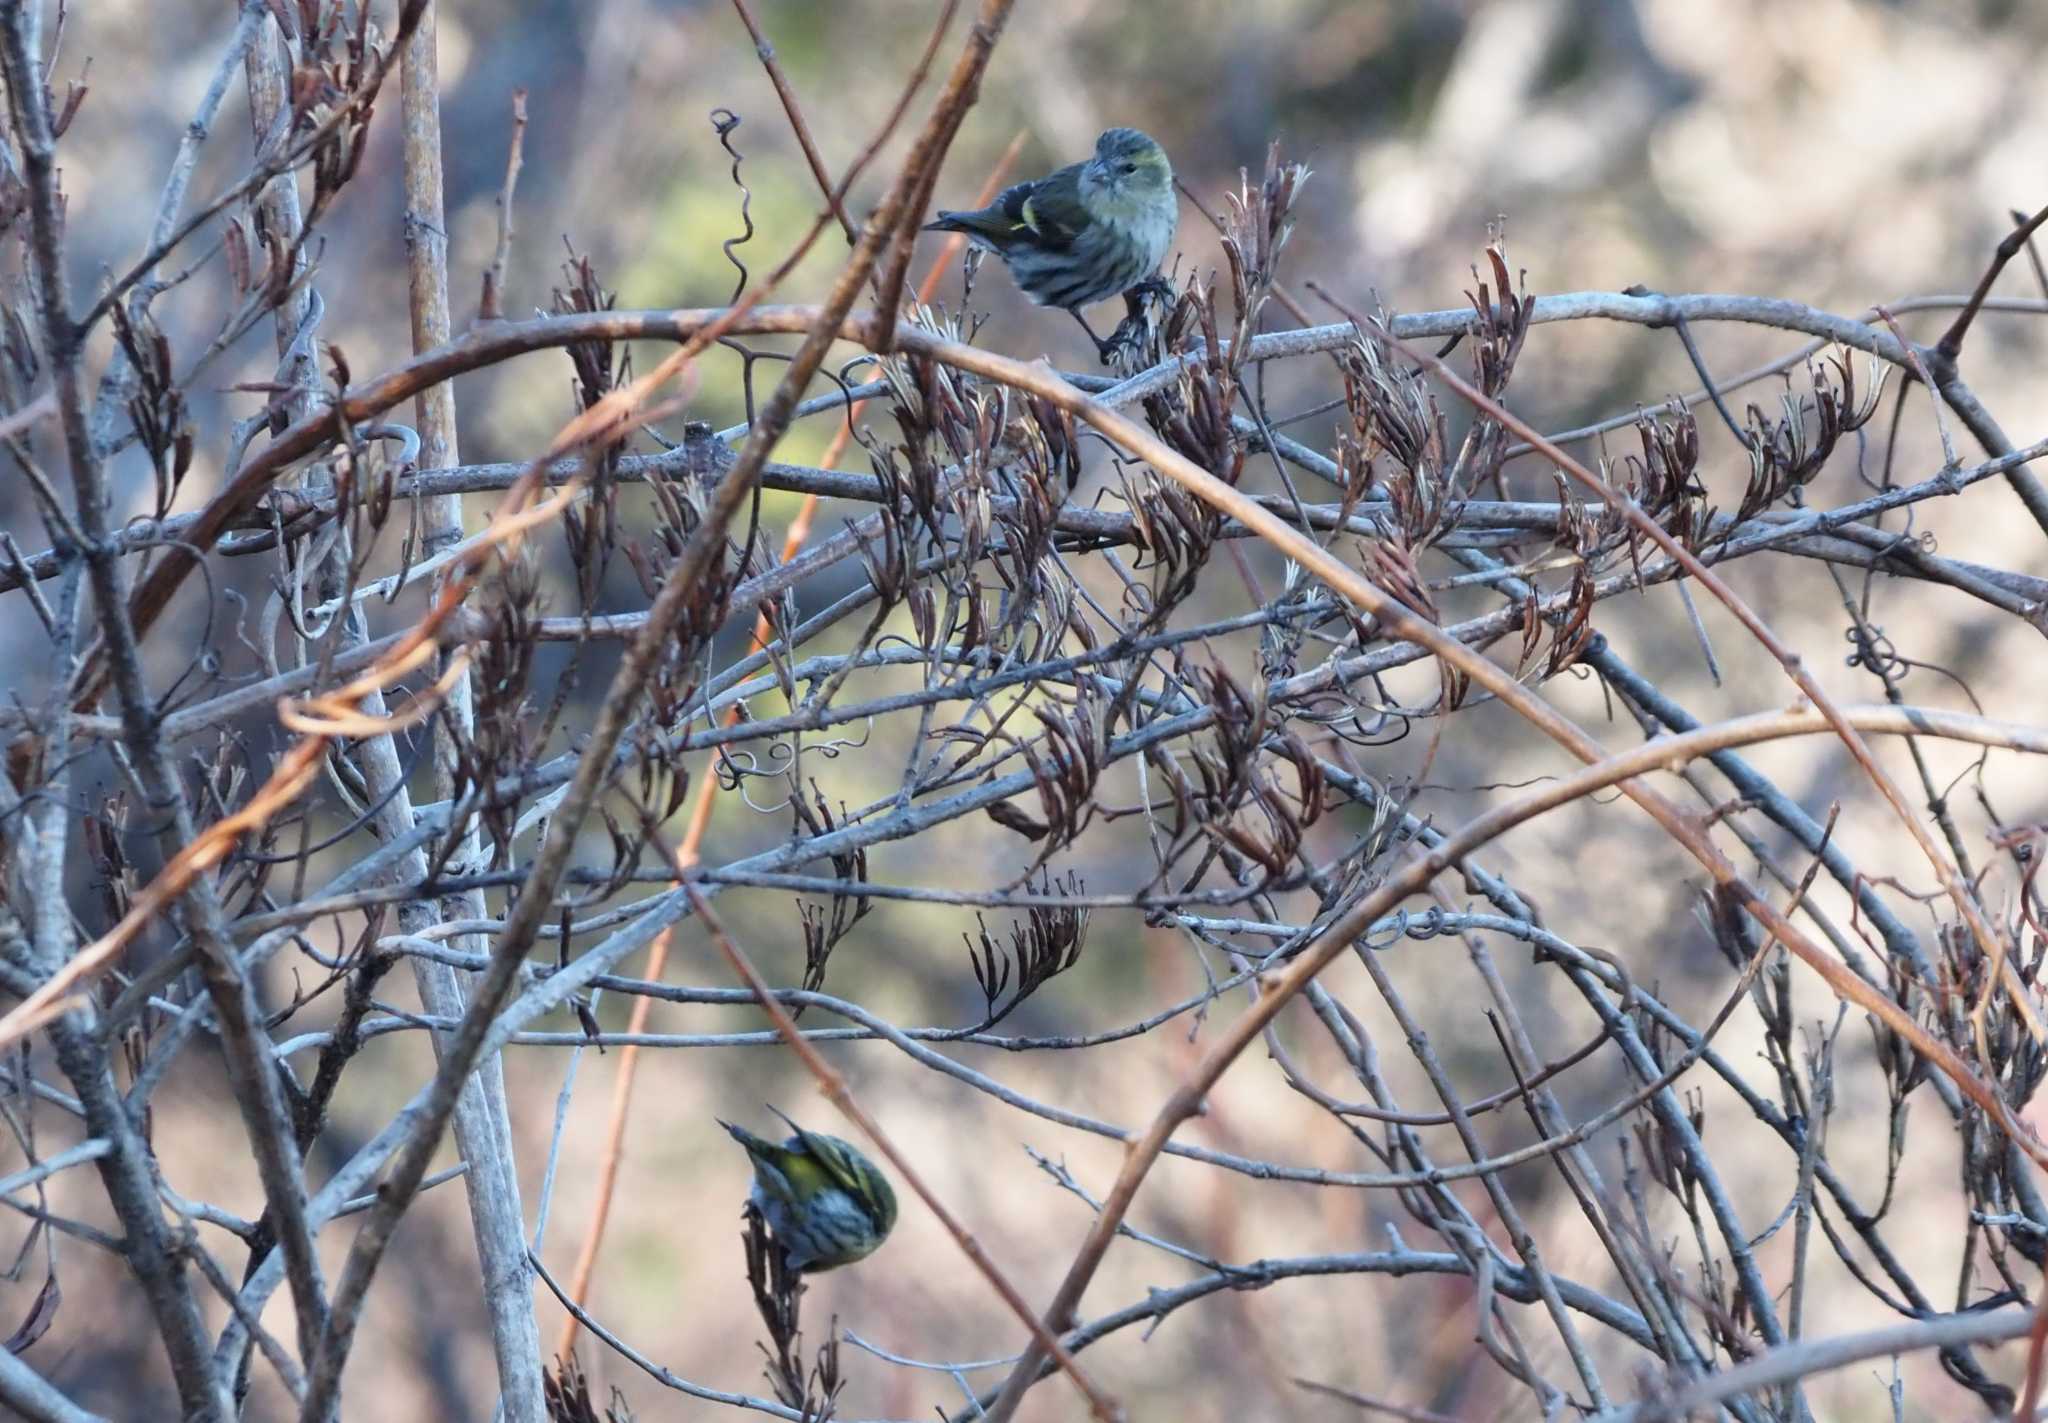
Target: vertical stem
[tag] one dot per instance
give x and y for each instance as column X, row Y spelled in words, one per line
column 483, row 1131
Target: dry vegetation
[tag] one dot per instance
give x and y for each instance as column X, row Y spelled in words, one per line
column 1327, row 899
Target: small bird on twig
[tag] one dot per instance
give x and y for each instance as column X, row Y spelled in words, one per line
column 827, row 1204
column 1086, row 233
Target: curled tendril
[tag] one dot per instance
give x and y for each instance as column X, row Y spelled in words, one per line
column 723, row 122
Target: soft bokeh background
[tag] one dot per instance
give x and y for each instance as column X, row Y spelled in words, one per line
column 1835, row 152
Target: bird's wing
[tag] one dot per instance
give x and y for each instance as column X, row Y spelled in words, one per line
column 1046, row 208
column 816, row 1152
column 830, row 1153
column 1042, row 213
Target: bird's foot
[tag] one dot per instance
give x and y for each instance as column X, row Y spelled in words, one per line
column 1128, row 336
column 1154, row 285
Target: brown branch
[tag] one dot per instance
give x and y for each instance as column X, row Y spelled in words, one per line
column 1395, row 619
column 1989, row 941
column 693, row 835
column 2010, row 246
column 834, row 200
column 684, row 582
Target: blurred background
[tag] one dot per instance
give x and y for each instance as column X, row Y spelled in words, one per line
column 1837, row 153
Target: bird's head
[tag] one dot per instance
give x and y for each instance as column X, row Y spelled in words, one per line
column 1129, row 168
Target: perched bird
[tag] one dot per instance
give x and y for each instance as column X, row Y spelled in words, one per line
column 827, row 1204
column 1085, row 233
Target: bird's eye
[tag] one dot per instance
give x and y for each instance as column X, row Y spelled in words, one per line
column 1128, row 168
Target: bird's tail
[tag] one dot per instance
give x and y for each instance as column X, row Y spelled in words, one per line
column 975, row 224
column 756, row 1146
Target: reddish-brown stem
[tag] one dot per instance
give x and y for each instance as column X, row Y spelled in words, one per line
column 693, row 837
column 1988, row 941
column 766, row 53
column 1100, row 1404
column 1396, row 620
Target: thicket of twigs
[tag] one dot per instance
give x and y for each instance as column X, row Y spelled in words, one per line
column 356, row 741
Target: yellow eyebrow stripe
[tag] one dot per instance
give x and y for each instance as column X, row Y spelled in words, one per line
column 1030, row 218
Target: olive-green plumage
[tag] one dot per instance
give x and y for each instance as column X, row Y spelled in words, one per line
column 1086, row 233
column 827, row 1204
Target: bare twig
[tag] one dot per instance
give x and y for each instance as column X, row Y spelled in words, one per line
column 490, row 306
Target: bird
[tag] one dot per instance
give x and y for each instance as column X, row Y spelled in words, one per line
column 1085, row 233
column 826, row 1203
